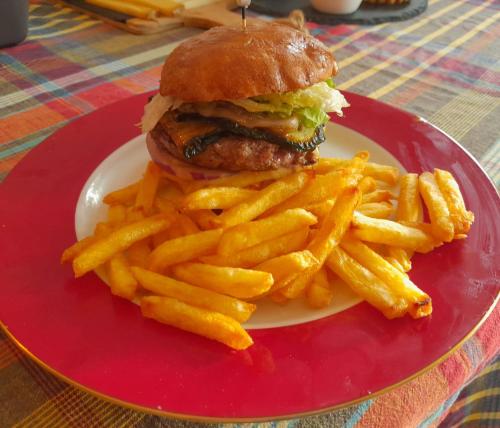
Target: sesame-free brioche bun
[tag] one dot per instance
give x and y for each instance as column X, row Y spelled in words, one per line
column 228, row 63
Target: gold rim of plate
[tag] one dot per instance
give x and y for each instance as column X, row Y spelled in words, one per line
column 194, row 418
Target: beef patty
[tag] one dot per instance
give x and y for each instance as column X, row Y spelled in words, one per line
column 235, row 153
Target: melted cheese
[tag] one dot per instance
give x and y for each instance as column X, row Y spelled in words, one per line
column 182, row 132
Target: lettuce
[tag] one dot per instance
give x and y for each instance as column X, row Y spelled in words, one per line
column 311, row 117
column 310, row 105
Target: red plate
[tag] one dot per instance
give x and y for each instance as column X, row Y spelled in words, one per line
column 101, row 343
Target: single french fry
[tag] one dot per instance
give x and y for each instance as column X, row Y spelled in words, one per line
column 410, row 209
column 381, row 231
column 216, row 198
column 172, row 193
column 283, row 267
column 165, row 7
column 212, row 325
column 163, row 205
column 395, row 263
column 439, row 214
column 328, row 236
column 321, row 209
column 424, row 227
column 117, row 214
column 278, row 298
column 354, row 165
column 378, row 196
column 367, row 185
column 196, row 296
column 376, row 209
column 184, row 185
column 236, row 282
column 124, row 196
column 409, row 202
column 319, row 293
column 461, row 218
column 401, row 256
column 147, row 188
column 419, row 303
column 138, row 253
column 136, row 10
column 182, row 226
column 319, row 189
column 242, row 179
column 71, row 252
column 102, row 229
column 365, row 284
column 385, row 173
column 265, row 199
column 118, row 240
column 259, row 253
column 182, row 249
column 121, row 280
column 205, row 219
column 247, row 235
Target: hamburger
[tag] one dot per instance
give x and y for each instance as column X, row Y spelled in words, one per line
column 233, row 99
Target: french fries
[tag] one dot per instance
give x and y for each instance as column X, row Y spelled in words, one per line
column 216, row 198
column 267, row 198
column 319, row 189
column 194, row 252
column 259, row 253
column 117, row 214
column 164, row 286
column 328, row 237
column 376, row 209
column 355, row 165
column 243, row 179
column 385, row 173
column 378, row 196
column 164, row 7
column 103, row 249
column 121, row 280
column 366, row 284
column 367, row 185
column 147, row 188
column 319, row 293
column 136, row 10
column 419, row 303
column 247, row 235
column 389, row 232
column 124, row 196
column 285, row 267
column 138, row 253
column 442, row 225
column 200, row 321
column 401, row 256
column 183, row 249
column 409, row 203
column 236, row 282
column 460, row 217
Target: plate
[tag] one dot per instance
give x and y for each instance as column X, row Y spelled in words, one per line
column 80, row 332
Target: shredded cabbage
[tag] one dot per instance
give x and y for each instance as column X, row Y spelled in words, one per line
column 155, row 109
column 310, row 105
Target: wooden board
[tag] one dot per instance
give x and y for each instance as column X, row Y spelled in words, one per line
column 207, row 16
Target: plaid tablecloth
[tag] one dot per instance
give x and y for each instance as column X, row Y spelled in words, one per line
column 443, row 66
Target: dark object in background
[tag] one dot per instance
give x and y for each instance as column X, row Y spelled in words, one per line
column 367, row 14
column 13, row 22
